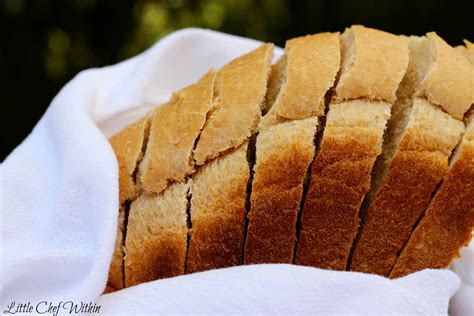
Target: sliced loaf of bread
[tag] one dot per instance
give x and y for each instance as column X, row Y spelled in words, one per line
column 304, row 173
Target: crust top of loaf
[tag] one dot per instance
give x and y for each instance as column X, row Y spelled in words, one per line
column 204, row 131
column 374, row 63
column 174, row 130
column 312, row 65
column 127, row 145
column 241, row 96
column 448, row 80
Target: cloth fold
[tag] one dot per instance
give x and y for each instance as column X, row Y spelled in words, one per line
column 59, row 206
column 287, row 289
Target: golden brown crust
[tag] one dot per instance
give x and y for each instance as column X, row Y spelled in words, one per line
column 115, row 279
column 448, row 81
column 127, row 145
column 276, row 195
column 217, row 242
column 157, row 258
column 374, row 63
column 174, row 129
column 155, row 245
column 340, row 178
column 241, row 96
column 218, row 212
column 222, row 111
column 312, row 66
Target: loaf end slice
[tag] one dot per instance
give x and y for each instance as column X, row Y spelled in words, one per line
column 156, row 240
column 218, row 212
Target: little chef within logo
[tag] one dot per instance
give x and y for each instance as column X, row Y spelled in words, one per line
column 58, row 308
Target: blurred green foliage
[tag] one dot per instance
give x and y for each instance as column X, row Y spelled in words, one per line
column 45, row 43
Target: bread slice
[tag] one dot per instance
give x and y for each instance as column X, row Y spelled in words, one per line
column 174, row 130
column 241, row 95
column 423, row 131
column 449, row 220
column 311, row 69
column 128, row 146
column 155, row 245
column 285, row 148
column 301, row 78
column 373, row 64
column 340, row 179
column 448, row 81
column 283, row 155
column 217, row 212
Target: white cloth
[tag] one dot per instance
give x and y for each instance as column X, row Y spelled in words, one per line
column 59, row 196
column 287, row 289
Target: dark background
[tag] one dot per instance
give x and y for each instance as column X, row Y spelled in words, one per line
column 45, row 43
